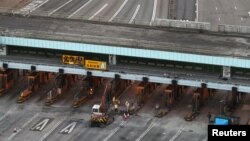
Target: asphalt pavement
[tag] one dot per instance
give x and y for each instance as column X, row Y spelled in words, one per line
column 121, row 11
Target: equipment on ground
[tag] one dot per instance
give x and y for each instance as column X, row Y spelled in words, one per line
column 172, row 93
column 6, row 80
column 34, row 81
column 88, row 89
column 100, row 119
column 159, row 112
column 199, row 97
column 144, row 89
column 226, row 120
column 100, row 116
column 62, row 82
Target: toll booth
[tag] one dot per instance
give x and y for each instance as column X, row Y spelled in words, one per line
column 170, row 95
column 6, row 80
column 199, row 97
column 143, row 91
column 117, row 87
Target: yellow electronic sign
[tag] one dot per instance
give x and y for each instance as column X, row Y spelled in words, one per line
column 73, row 60
column 91, row 64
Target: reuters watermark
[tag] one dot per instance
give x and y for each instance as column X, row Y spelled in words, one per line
column 239, row 132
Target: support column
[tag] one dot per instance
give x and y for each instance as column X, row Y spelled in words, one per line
column 205, row 92
column 226, row 72
column 112, row 59
column 3, row 49
column 235, row 97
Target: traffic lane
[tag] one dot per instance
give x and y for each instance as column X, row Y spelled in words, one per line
column 68, row 130
column 129, row 94
column 134, row 128
column 185, row 10
column 39, row 96
column 113, row 6
column 50, row 5
column 159, row 133
column 188, row 134
column 40, row 128
column 243, row 111
column 212, row 11
column 190, row 12
column 182, row 106
column 224, row 12
column 162, row 9
column 145, row 13
column 127, row 12
column 69, row 8
column 196, row 130
column 96, row 133
column 89, row 9
column 180, row 129
column 42, row 93
column 96, row 99
column 14, row 118
column 10, row 97
column 212, row 104
column 155, row 97
column 67, row 97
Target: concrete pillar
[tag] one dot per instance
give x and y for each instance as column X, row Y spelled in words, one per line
column 226, row 72
column 235, row 97
column 112, row 59
column 3, row 50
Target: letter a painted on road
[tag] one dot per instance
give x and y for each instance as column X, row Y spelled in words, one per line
column 68, row 129
column 40, row 126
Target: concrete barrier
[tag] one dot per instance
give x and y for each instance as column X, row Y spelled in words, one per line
column 233, row 28
column 182, row 24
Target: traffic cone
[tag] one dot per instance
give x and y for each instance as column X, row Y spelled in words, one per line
column 14, row 130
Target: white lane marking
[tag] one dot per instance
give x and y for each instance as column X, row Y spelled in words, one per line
column 39, row 5
column 154, row 12
column 24, row 125
column 177, row 134
column 33, row 6
column 114, row 131
column 50, row 131
column 197, row 11
column 249, row 13
column 118, row 11
column 41, row 125
column 146, row 131
column 205, row 139
column 219, row 19
column 59, row 7
column 235, row 7
column 134, row 15
column 216, row 8
column 5, row 115
column 69, row 128
column 100, row 10
column 80, row 8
